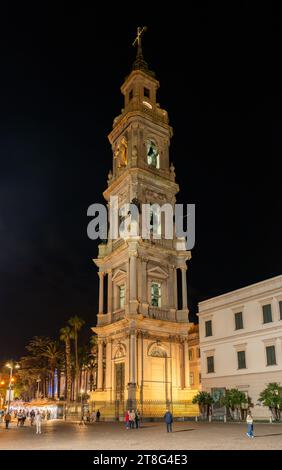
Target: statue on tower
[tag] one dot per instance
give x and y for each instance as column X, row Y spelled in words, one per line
column 121, row 153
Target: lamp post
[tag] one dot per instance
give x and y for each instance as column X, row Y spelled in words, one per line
column 10, row 366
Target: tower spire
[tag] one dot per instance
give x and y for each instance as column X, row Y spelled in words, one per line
column 140, row 63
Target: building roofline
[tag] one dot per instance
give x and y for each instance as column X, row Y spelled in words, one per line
column 241, row 293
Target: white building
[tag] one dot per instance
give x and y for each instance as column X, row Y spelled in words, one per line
column 241, row 340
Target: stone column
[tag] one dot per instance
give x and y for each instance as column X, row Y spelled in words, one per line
column 132, row 374
column 186, row 365
column 184, row 289
column 108, row 363
column 144, row 288
column 133, row 277
column 127, row 282
column 100, row 365
column 171, row 287
column 175, row 288
column 101, row 292
column 139, row 358
column 110, row 294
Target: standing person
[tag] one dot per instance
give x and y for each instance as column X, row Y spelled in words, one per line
column 32, row 416
column 93, row 417
column 7, row 419
column 250, row 424
column 98, row 414
column 137, row 419
column 168, row 420
column 38, row 421
column 126, row 419
column 19, row 418
column 132, row 419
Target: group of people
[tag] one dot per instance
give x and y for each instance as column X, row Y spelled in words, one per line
column 35, row 416
column 92, row 417
column 168, row 418
column 132, row 419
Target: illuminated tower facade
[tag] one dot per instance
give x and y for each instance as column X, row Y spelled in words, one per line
column 142, row 323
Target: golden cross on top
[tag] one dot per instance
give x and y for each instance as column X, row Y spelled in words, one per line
column 140, row 31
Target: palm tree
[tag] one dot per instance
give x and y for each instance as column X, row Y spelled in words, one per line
column 54, row 357
column 66, row 334
column 204, row 400
column 37, row 361
column 76, row 323
column 234, row 400
column 271, row 396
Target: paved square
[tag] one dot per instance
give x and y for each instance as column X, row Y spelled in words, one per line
column 58, row 435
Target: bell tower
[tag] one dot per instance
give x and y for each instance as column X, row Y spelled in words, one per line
column 142, row 325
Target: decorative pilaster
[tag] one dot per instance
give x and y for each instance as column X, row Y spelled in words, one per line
column 132, row 370
column 144, row 289
column 186, row 364
column 110, row 294
column 184, row 289
column 133, row 277
column 133, row 301
column 101, row 292
column 175, row 288
column 100, row 365
column 171, row 302
column 108, row 363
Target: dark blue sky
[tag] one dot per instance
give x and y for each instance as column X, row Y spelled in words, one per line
column 61, row 71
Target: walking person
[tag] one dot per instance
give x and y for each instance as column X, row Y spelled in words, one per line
column 168, row 420
column 98, row 414
column 32, row 416
column 250, row 424
column 7, row 419
column 38, row 421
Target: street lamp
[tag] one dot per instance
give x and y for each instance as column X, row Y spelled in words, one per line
column 10, row 366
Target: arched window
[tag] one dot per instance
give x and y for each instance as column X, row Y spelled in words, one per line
column 153, row 157
column 156, row 294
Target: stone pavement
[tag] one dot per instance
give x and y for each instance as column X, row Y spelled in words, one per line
column 58, row 435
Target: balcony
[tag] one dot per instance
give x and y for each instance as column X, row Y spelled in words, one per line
column 118, row 315
column 107, row 318
column 161, row 314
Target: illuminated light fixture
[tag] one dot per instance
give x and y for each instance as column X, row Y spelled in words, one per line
column 2, row 382
column 12, row 379
column 148, row 105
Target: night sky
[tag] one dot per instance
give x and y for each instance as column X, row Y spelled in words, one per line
column 60, row 74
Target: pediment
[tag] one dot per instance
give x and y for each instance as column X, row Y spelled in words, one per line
column 119, row 273
column 157, row 271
